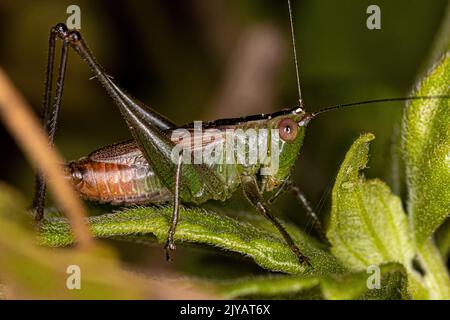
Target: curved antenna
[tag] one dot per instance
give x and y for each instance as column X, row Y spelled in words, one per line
column 294, row 48
column 339, row 106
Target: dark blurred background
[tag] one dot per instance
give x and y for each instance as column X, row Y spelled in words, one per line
column 202, row 60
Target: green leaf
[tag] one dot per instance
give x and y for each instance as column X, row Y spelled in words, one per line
column 443, row 239
column 436, row 276
column 267, row 286
column 426, row 151
column 417, row 286
column 261, row 242
column 28, row 271
column 393, row 285
column 368, row 225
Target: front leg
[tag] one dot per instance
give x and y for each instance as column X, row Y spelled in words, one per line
column 309, row 211
column 288, row 186
column 253, row 194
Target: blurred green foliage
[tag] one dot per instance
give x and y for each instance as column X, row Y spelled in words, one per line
column 32, row 272
column 176, row 56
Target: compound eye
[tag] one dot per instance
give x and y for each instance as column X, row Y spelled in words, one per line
column 288, row 129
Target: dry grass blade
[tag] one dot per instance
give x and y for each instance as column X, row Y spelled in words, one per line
column 26, row 130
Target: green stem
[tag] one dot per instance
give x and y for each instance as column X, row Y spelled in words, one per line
column 436, row 275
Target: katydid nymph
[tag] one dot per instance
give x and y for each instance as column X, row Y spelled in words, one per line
column 144, row 170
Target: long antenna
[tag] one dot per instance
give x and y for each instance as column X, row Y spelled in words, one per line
column 294, row 47
column 339, row 106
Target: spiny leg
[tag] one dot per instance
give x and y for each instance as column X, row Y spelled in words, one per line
column 146, row 126
column 288, row 186
column 50, row 112
column 170, row 244
column 287, row 183
column 253, row 194
column 310, row 212
column 120, row 97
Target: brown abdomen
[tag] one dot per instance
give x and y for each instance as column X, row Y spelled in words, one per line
column 117, row 174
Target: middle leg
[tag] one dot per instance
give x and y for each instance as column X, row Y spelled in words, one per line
column 253, row 194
